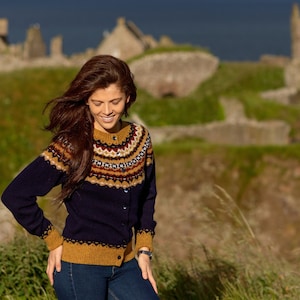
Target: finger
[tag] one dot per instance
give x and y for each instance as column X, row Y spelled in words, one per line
column 153, row 283
column 151, row 278
column 144, row 272
column 145, row 275
column 58, row 264
column 50, row 271
column 50, row 276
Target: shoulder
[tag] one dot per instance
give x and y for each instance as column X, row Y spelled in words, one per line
column 141, row 135
column 58, row 153
column 139, row 128
column 140, row 132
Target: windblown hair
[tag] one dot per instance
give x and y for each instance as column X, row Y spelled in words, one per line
column 70, row 117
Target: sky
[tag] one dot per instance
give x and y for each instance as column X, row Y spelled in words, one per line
column 207, row 23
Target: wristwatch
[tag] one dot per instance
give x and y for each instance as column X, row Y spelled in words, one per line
column 149, row 253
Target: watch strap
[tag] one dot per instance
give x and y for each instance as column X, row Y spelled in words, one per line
column 149, row 253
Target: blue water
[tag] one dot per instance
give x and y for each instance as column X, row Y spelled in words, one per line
column 230, row 29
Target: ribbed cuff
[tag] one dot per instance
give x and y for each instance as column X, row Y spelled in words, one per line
column 53, row 239
column 144, row 239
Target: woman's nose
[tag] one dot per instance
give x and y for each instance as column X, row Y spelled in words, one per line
column 107, row 109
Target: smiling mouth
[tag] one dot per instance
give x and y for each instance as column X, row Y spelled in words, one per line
column 107, row 119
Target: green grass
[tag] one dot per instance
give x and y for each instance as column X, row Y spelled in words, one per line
column 23, row 95
column 22, row 272
column 175, row 48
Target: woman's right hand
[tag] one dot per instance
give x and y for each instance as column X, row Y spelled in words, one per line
column 54, row 262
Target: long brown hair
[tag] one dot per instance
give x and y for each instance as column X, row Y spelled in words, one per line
column 70, row 117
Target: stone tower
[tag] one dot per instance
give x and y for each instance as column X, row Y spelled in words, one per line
column 295, row 32
column 34, row 45
column 125, row 41
column 56, row 46
column 292, row 69
column 4, row 30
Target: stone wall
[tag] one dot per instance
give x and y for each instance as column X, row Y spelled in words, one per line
column 173, row 73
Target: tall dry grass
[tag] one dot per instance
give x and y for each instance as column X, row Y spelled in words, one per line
column 243, row 268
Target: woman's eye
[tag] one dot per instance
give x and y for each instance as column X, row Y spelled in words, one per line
column 115, row 102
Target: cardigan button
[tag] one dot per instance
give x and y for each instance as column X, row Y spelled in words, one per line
column 126, row 190
column 119, row 257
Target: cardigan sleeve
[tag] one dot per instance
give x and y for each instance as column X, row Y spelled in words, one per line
column 146, row 225
column 20, row 197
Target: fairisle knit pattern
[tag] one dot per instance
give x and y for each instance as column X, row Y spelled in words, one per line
column 116, row 198
column 121, row 165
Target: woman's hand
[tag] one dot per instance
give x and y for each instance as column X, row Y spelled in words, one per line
column 145, row 266
column 54, row 262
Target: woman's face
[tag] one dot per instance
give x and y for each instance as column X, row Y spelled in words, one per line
column 107, row 107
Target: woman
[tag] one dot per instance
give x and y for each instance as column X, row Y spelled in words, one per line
column 106, row 169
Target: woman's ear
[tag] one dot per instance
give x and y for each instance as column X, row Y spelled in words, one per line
column 127, row 100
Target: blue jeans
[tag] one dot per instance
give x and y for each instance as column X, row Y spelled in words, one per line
column 89, row 282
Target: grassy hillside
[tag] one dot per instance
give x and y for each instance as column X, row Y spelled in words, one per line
column 241, row 268
column 23, row 95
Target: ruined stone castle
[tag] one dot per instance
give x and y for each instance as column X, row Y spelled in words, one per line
column 176, row 74
column 125, row 41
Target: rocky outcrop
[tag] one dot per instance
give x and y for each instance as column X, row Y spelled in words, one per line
column 285, row 95
column 236, row 129
column 173, row 73
column 191, row 212
column 8, row 225
column 242, row 132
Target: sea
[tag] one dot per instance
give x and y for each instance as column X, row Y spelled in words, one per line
column 233, row 30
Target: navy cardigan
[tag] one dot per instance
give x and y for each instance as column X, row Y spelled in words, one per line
column 110, row 215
